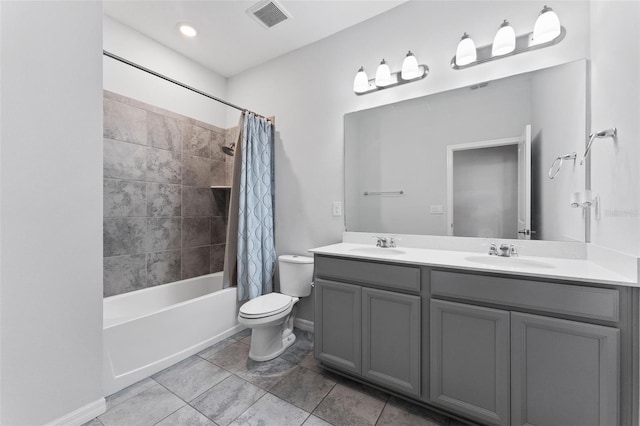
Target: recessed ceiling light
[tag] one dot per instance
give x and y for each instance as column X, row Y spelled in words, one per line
column 187, row 30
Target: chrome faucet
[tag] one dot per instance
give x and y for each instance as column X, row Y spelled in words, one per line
column 383, row 242
column 505, row 250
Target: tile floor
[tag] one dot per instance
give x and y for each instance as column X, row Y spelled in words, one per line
column 221, row 386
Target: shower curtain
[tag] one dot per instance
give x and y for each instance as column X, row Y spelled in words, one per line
column 250, row 256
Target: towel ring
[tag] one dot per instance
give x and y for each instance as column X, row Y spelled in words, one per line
column 558, row 161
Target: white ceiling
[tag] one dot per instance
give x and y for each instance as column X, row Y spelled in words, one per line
column 230, row 41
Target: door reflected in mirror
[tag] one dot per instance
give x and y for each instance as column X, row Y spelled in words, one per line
column 407, row 169
column 488, row 188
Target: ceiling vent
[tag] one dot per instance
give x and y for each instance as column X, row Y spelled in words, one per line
column 269, row 13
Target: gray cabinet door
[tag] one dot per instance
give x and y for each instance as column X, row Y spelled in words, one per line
column 391, row 340
column 338, row 324
column 470, row 361
column 563, row 372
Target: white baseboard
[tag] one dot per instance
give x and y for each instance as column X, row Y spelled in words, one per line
column 303, row 324
column 82, row 414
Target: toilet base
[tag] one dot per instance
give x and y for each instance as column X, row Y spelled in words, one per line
column 271, row 336
column 274, row 350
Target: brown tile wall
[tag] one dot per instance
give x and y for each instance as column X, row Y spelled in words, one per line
column 162, row 221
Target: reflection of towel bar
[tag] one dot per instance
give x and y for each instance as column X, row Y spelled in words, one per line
column 401, row 192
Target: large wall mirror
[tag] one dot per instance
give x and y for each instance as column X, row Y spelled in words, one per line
column 473, row 161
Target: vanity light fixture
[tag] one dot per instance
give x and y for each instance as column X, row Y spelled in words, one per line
column 505, row 40
column 411, row 71
column 547, row 32
column 466, row 51
column 547, row 26
column 410, row 68
column 361, row 82
column 187, row 30
column 383, row 74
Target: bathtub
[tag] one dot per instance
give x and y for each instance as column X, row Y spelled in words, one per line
column 148, row 330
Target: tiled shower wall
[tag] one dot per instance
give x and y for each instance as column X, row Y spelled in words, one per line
column 162, row 221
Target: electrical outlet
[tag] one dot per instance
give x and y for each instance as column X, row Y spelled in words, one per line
column 437, row 209
column 336, row 208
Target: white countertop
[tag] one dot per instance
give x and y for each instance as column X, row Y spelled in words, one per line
column 579, row 270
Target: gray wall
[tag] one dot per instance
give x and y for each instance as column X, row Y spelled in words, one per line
column 614, row 101
column 162, row 221
column 564, row 87
column 50, row 207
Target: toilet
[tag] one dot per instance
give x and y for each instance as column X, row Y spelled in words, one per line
column 270, row 316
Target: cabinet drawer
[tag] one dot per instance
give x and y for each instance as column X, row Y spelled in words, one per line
column 579, row 301
column 378, row 274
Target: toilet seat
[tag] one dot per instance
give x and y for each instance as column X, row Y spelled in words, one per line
column 266, row 305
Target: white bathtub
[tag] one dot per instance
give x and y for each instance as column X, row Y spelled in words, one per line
column 148, row 330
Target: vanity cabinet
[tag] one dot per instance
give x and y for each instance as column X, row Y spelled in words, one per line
column 470, row 361
column 504, row 367
column 391, row 339
column 563, row 372
column 367, row 324
column 338, row 322
column 496, row 349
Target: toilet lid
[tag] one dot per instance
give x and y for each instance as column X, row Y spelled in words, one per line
column 265, row 305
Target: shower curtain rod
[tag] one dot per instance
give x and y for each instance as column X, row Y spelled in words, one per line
column 170, row 80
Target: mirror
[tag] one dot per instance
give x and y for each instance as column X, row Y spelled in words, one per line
column 452, row 163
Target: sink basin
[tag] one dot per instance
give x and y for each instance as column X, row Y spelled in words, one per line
column 509, row 262
column 378, row 251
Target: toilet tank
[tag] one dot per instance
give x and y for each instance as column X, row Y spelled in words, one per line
column 296, row 274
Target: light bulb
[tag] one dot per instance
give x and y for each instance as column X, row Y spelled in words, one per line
column 361, row 82
column 504, row 41
column 187, row 30
column 466, row 51
column 410, row 69
column 383, row 74
column 547, row 26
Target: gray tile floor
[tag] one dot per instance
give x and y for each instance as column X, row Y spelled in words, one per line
column 221, row 386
